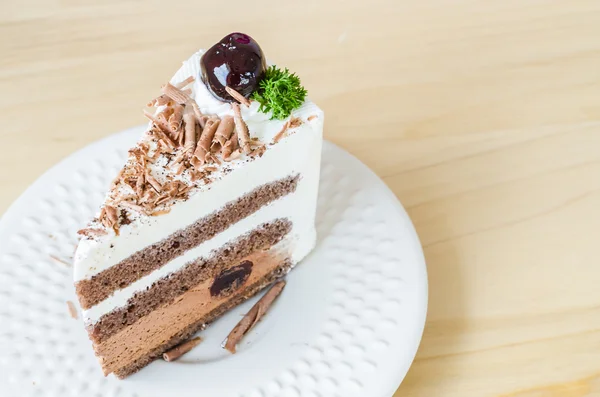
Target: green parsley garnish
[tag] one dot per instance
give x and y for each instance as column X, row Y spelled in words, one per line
column 280, row 92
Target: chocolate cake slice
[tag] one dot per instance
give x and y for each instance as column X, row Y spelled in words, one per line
column 215, row 202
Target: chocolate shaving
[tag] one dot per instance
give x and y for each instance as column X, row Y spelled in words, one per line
column 295, row 122
column 153, row 182
column 241, row 129
column 195, row 175
column 72, row 310
column 175, row 94
column 132, row 206
column 180, row 350
column 179, row 170
column 161, row 212
column 163, row 130
column 111, row 214
column 253, row 316
column 91, row 232
column 105, row 222
column 203, row 146
column 280, row 134
column 140, row 185
column 237, row 96
column 162, row 200
column 259, row 151
column 60, row 261
column 214, row 158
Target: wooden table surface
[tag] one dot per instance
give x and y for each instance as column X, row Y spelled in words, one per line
column 482, row 116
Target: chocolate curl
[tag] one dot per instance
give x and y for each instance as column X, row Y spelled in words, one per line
column 203, row 146
column 237, row 96
column 241, row 128
column 253, row 316
column 175, row 118
column 72, row 310
column 184, row 83
column 164, row 114
column 161, row 100
column 181, row 349
column 202, row 119
column 225, row 130
column 230, row 146
column 190, row 130
column 176, row 94
column 163, row 127
column 181, row 137
column 165, row 100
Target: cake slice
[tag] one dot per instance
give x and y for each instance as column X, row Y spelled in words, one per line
column 216, row 201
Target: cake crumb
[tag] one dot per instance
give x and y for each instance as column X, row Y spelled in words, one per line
column 72, row 310
column 60, row 261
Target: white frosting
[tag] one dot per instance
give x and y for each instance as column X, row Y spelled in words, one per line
column 298, row 152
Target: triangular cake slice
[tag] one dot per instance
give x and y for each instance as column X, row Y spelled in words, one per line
column 216, row 201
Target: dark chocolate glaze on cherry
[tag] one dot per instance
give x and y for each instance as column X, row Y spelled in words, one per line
column 231, row 279
column 236, row 61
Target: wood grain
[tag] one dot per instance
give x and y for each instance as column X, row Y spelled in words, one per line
column 482, row 116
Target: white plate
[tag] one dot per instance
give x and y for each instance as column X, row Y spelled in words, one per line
column 348, row 323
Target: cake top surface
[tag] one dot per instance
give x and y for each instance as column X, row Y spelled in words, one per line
column 200, row 132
